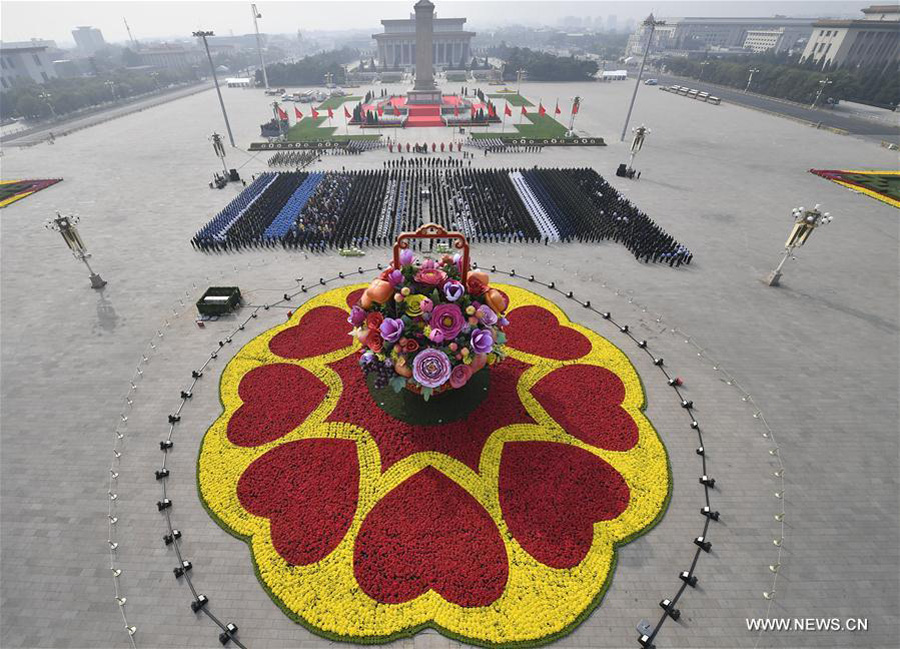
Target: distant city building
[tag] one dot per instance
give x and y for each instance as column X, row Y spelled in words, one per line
column 612, row 22
column 763, row 40
column 722, row 33
column 397, row 44
column 874, row 40
column 88, row 39
column 171, row 57
column 23, row 63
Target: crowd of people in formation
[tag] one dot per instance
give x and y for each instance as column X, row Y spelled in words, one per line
column 499, row 145
column 424, row 147
column 298, row 159
column 425, row 163
column 364, row 208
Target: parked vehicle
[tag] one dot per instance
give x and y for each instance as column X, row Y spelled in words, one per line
column 651, row 82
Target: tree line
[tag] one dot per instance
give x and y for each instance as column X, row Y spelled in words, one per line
column 310, row 70
column 878, row 85
column 69, row 95
column 541, row 66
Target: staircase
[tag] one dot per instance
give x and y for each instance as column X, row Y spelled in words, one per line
column 424, row 115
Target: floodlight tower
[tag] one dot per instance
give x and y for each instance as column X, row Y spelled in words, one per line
column 805, row 221
column 203, row 35
column 262, row 61
column 652, row 23
column 824, row 83
column 65, row 225
column 640, row 133
column 219, row 149
column 750, row 78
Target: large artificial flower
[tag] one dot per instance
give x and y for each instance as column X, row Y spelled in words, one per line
column 407, row 257
column 482, row 341
column 374, row 320
column 453, row 290
column 413, row 305
column 357, row 316
column 431, row 368
column 408, row 345
column 460, row 375
column 430, row 276
column 449, row 319
column 486, row 315
column 374, row 340
column 476, row 285
column 391, row 329
column 395, row 277
column 499, row 529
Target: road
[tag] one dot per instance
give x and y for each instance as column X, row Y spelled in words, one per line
column 864, row 128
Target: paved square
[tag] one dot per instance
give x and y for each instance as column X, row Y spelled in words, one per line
column 818, row 358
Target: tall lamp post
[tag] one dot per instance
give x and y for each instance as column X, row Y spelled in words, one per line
column 824, row 83
column 203, row 35
column 219, row 149
column 65, row 225
column 652, row 23
column 703, row 65
column 262, row 61
column 519, row 74
column 805, row 221
column 112, row 88
column 750, row 79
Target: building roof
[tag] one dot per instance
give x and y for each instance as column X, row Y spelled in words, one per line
column 882, row 9
column 21, row 48
column 862, row 24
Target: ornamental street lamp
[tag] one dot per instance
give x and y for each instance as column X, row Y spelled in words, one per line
column 219, row 149
column 640, row 133
column 824, row 83
column 65, row 225
column 46, row 96
column 805, row 221
column 750, row 79
column 203, row 35
column 112, row 88
column 262, row 61
column 652, row 23
column 519, row 74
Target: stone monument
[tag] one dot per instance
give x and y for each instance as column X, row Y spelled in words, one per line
column 424, row 91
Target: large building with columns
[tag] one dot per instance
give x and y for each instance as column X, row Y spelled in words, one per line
column 397, row 44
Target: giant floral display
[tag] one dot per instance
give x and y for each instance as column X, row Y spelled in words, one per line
column 497, row 528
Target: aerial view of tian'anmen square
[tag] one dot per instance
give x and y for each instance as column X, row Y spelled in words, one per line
column 438, row 324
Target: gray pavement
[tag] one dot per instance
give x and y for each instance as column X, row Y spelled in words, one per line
column 816, row 358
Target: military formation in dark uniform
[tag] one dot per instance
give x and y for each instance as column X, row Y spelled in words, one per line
column 321, row 210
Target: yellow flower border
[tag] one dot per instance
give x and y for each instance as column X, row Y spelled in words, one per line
column 539, row 603
column 864, row 190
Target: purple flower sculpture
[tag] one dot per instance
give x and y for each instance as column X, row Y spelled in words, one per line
column 407, row 257
column 357, row 316
column 453, row 290
column 482, row 342
column 431, row 368
column 486, row 315
column 391, row 329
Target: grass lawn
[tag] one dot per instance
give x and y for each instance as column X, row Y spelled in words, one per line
column 308, row 129
column 335, row 102
column 513, row 98
column 541, row 126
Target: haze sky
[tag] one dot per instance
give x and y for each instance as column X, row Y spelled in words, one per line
column 22, row 20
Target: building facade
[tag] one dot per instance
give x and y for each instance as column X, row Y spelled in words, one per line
column 764, row 40
column 88, row 39
column 450, row 47
column 22, row 64
column 721, row 33
column 874, row 40
column 171, row 57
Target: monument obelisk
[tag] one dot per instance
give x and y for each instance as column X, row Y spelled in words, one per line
column 424, row 91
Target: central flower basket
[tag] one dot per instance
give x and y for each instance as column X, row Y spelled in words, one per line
column 429, row 327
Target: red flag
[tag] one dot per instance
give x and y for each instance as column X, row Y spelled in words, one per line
column 557, row 111
column 298, row 114
column 491, row 111
column 282, row 114
column 315, row 113
column 380, row 110
column 575, row 105
column 507, row 111
column 396, row 111
column 456, row 110
column 541, row 109
column 472, row 110
column 347, row 113
column 330, row 113
column 524, row 112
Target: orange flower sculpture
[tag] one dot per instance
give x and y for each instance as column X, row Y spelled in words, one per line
column 496, row 528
